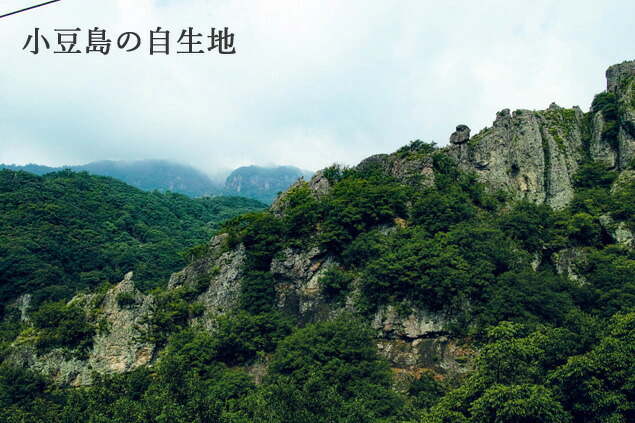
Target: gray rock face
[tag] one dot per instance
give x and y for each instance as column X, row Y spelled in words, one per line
column 568, row 261
column 618, row 231
column 119, row 349
column 621, row 82
column 221, row 271
column 319, row 185
column 412, row 357
column 617, row 76
column 461, row 135
column 533, row 154
column 116, row 349
column 19, row 308
column 23, row 304
column 529, row 154
column 418, row 324
column 599, row 149
column 298, row 290
column 626, row 134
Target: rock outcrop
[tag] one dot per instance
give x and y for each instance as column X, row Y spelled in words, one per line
column 297, row 276
column 217, row 275
column 618, row 150
column 439, row 354
column 621, row 82
column 567, row 262
column 319, row 185
column 600, row 149
column 461, row 135
column 618, row 231
column 533, row 154
column 619, row 76
column 117, row 347
column 391, row 324
column 528, row 154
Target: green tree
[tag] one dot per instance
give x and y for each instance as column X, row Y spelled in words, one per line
column 62, row 325
column 334, row 361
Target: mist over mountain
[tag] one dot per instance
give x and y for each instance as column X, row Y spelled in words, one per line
column 260, row 183
column 148, row 175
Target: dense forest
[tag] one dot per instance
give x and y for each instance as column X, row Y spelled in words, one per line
column 539, row 301
column 550, row 348
column 65, row 232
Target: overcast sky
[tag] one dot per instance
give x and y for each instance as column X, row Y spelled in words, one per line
column 311, row 83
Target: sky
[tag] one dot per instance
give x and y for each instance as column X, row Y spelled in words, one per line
column 311, row 83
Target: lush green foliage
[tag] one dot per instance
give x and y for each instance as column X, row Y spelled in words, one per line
column 623, row 204
column 301, row 213
column 62, row 325
column 360, row 201
column 242, row 337
column 329, row 371
column 67, row 231
column 335, row 283
column 607, row 104
column 555, row 336
column 550, row 374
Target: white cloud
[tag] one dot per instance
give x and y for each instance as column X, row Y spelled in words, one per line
column 313, row 82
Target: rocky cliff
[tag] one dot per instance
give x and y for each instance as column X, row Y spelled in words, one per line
column 118, row 346
column 533, row 154
column 530, row 155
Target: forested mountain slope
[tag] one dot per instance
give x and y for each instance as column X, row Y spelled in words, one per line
column 489, row 281
column 66, row 231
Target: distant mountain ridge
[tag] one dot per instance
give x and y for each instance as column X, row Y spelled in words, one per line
column 261, row 183
column 147, row 175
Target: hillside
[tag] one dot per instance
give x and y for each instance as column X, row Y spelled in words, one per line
column 492, row 280
column 68, row 231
